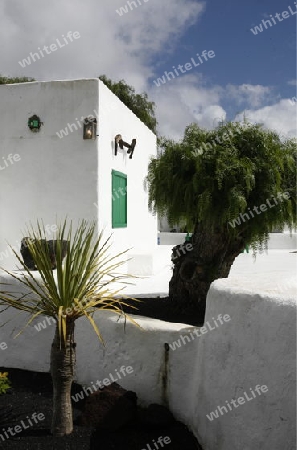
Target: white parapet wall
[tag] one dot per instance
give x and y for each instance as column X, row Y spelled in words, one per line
column 248, row 341
column 276, row 240
column 282, row 241
column 256, row 347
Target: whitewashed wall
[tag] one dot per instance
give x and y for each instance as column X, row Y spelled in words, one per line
column 276, row 241
column 256, row 347
column 54, row 177
column 115, row 118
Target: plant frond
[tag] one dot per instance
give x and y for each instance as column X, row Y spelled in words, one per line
column 81, row 283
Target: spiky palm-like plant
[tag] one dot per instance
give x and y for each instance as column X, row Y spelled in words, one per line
column 78, row 288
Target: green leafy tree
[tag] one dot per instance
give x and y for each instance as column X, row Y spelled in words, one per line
column 214, row 182
column 79, row 287
column 13, row 80
column 138, row 103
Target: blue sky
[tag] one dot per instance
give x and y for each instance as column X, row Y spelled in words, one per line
column 250, row 74
column 267, row 59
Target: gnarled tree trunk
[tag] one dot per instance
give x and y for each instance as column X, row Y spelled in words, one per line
column 62, row 370
column 208, row 256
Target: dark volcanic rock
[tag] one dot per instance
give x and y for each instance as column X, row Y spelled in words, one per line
column 110, row 408
column 155, row 416
column 141, row 438
column 32, row 391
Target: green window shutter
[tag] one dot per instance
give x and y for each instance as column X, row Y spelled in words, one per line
column 119, row 199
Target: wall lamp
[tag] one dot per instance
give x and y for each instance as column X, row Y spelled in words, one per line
column 119, row 142
column 90, row 128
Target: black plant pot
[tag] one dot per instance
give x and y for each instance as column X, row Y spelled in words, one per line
column 51, row 248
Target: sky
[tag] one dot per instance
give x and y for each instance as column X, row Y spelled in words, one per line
column 243, row 71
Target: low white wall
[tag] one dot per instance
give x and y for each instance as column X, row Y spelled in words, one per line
column 276, row 240
column 282, row 240
column 255, row 347
column 171, row 238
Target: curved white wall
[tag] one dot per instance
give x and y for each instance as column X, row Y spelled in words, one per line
column 255, row 347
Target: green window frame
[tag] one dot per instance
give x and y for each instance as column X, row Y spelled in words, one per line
column 118, row 199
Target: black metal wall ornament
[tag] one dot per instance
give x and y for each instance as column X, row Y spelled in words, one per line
column 117, row 140
column 34, row 123
column 120, row 143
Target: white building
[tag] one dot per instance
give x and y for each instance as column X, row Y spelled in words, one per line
column 51, row 171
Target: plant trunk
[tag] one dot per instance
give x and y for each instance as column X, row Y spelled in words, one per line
column 209, row 256
column 62, row 371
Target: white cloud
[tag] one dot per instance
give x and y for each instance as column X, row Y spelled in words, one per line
column 185, row 100
column 251, row 95
column 188, row 99
column 120, row 47
column 280, row 117
column 292, row 83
